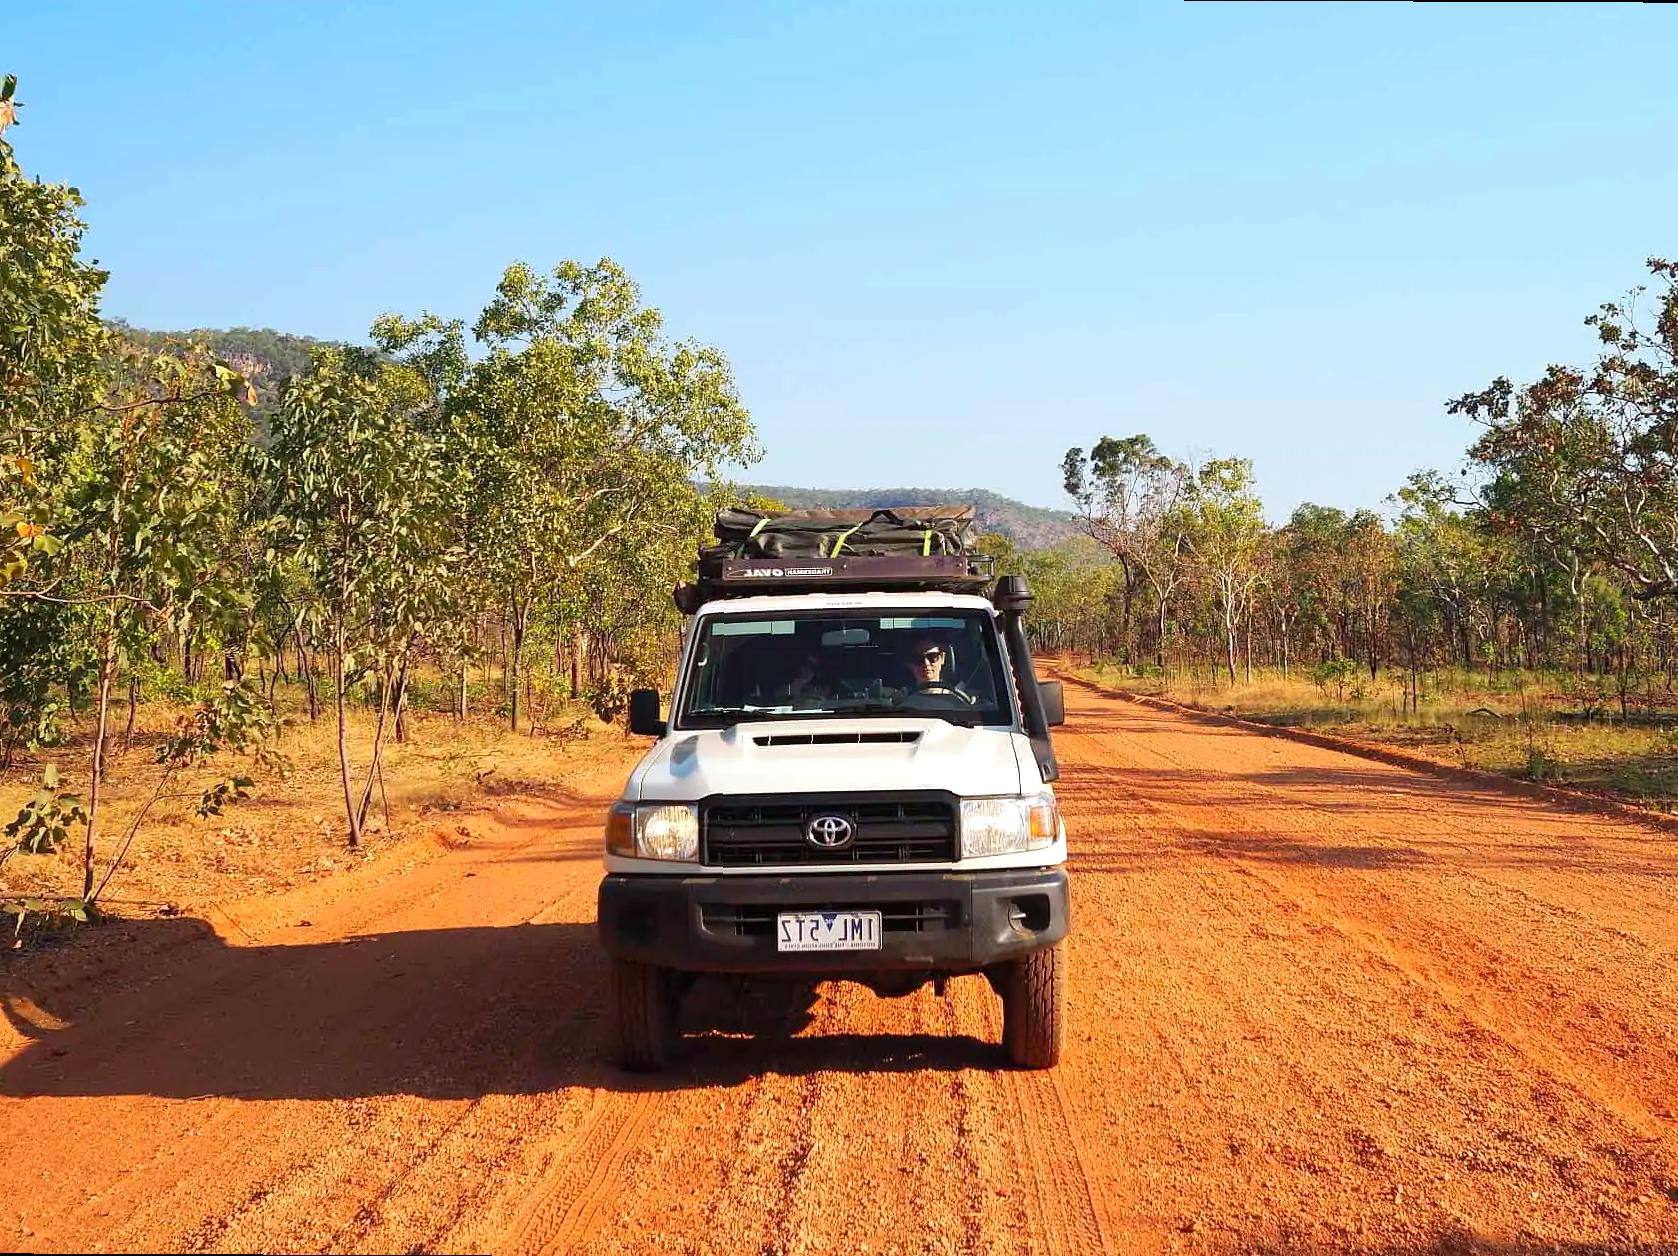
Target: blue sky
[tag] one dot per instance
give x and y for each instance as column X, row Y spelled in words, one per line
column 940, row 243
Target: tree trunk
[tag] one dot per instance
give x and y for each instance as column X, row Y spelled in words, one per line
column 460, row 701
column 390, row 695
column 582, row 663
column 306, row 670
column 1414, row 676
column 133, row 702
column 1249, row 644
column 1229, row 637
column 402, row 701
column 351, row 815
column 1374, row 645
column 1127, row 629
column 107, row 669
column 521, row 616
column 506, row 664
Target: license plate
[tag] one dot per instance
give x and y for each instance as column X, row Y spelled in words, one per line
column 827, row 931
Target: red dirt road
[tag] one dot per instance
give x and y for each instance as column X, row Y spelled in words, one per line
column 1318, row 1004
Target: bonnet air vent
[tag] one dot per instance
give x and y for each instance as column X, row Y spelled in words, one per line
column 836, row 739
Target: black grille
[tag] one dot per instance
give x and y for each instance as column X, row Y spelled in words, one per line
column 759, row 922
column 764, row 833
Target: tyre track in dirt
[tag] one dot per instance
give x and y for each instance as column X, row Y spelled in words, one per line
column 1067, row 1214
column 569, row 1202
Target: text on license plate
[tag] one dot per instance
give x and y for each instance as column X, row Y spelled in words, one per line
column 827, row 931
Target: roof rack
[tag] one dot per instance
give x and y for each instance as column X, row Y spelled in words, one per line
column 721, row 577
column 898, row 548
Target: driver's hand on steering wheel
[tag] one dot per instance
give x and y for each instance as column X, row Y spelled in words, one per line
column 938, row 686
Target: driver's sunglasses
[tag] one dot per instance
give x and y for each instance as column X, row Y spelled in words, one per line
column 935, row 655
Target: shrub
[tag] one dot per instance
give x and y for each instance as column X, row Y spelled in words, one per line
column 1335, row 674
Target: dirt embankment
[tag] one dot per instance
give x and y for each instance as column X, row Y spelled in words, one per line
column 1319, row 1004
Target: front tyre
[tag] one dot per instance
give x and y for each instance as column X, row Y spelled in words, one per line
column 646, row 1006
column 1033, row 993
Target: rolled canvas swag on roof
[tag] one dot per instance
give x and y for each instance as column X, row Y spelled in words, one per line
column 900, row 531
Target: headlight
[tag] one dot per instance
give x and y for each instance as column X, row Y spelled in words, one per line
column 1006, row 826
column 661, row 831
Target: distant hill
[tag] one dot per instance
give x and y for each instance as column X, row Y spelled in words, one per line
column 1030, row 527
column 266, row 357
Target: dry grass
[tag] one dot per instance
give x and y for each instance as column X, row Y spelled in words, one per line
column 292, row 830
column 1525, row 726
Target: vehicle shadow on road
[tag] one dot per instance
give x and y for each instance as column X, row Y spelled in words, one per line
column 454, row 1013
column 734, row 1031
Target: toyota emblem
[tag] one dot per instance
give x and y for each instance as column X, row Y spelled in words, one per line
column 829, row 832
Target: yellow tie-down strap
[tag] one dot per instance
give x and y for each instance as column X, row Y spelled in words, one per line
column 840, row 543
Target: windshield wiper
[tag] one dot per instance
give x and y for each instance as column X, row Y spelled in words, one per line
column 725, row 716
column 952, row 715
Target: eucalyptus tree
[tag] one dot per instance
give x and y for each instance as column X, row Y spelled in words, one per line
column 622, row 619
column 588, row 421
column 1446, row 557
column 360, row 515
column 1224, row 532
column 433, row 351
column 1074, row 585
column 1587, row 459
column 1125, row 491
column 51, row 346
column 1371, row 571
column 151, row 492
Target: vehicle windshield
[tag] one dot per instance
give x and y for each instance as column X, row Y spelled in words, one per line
column 845, row 663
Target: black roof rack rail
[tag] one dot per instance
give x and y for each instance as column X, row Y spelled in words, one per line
column 722, row 577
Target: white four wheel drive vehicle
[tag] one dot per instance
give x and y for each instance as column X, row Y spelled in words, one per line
column 854, row 781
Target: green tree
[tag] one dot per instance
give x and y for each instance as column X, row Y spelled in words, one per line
column 51, row 346
column 1445, row 560
column 1125, row 491
column 150, row 494
column 1225, row 533
column 359, row 514
column 1584, row 459
column 587, row 420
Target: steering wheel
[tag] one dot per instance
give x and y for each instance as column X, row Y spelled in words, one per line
column 936, row 686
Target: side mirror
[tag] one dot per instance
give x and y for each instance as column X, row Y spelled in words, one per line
column 643, row 713
column 1054, row 702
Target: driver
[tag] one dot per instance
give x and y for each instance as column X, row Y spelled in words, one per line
column 926, row 659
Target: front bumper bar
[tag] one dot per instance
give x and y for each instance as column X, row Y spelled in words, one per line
column 935, row 922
